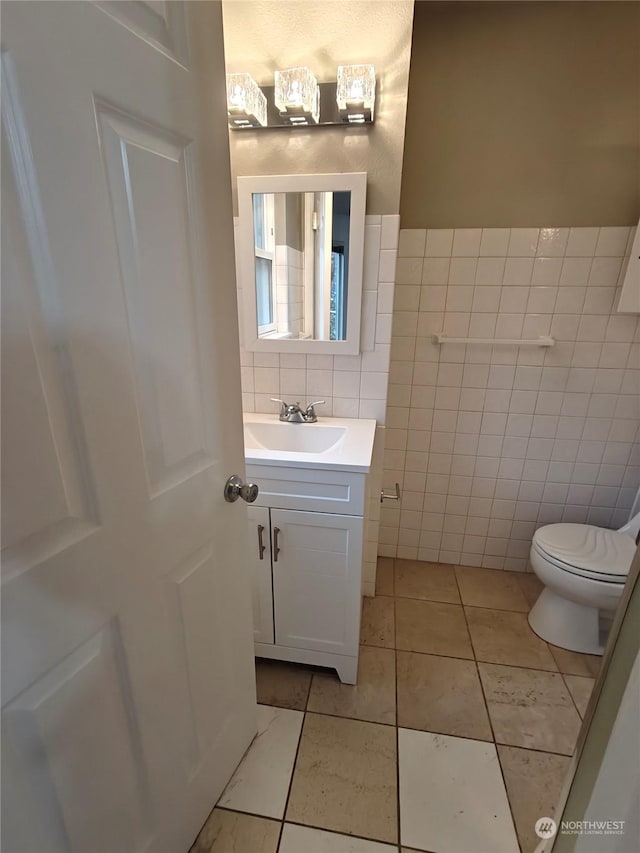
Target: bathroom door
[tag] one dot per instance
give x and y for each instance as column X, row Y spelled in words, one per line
column 127, row 671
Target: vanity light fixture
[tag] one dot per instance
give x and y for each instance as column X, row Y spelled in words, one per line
column 356, row 93
column 297, row 96
column 298, row 100
column 246, row 103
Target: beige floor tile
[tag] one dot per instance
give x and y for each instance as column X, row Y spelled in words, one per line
column 491, row 588
column 500, row 636
column 580, row 689
column 227, row 831
column 345, row 778
column 431, row 581
column 530, row 708
column 384, row 576
column 373, row 698
column 533, row 781
column 285, row 685
column 530, row 586
column 377, row 627
column 432, row 627
column 575, row 663
column 438, row 694
column 305, row 839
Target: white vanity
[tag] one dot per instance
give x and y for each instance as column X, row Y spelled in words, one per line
column 300, row 263
column 306, row 533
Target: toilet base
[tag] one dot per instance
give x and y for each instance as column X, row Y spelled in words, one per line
column 566, row 624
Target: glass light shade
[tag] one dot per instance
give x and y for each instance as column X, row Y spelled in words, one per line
column 356, row 93
column 297, row 96
column 246, row 103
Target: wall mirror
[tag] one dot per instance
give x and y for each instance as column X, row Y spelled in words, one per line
column 301, row 247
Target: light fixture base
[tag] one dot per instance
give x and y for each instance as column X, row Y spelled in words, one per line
column 329, row 114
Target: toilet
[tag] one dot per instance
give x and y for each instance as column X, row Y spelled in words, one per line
column 583, row 569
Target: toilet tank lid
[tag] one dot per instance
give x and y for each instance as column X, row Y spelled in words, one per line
column 585, row 546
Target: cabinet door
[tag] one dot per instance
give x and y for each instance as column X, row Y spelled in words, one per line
column 260, row 564
column 317, row 569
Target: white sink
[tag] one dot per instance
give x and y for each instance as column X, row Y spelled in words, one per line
column 305, row 438
column 344, row 444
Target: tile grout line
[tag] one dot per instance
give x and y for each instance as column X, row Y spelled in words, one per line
column 293, row 770
column 304, row 826
column 342, row 834
column 431, row 731
column 493, row 734
column 395, row 657
column 575, row 704
column 461, row 604
column 357, row 719
column 251, row 814
column 490, row 662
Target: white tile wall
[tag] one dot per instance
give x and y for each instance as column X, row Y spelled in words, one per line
column 289, row 290
column 352, row 386
column 490, row 442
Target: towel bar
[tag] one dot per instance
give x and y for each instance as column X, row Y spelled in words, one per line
column 542, row 341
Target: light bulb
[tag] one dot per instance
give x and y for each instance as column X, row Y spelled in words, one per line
column 356, row 93
column 246, row 103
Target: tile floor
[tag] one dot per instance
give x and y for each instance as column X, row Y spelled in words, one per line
column 455, row 739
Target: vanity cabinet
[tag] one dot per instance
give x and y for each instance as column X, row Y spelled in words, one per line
column 306, row 566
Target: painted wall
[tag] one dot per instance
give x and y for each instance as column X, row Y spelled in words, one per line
column 523, row 114
column 264, row 35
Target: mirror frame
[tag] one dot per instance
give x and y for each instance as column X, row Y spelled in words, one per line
column 353, row 182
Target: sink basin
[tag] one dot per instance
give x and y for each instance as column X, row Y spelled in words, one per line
column 301, row 438
column 339, row 444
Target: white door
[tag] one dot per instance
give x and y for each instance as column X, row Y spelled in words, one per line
column 316, row 580
column 128, row 688
column 260, row 568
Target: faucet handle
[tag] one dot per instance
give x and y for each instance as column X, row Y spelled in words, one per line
column 310, row 412
column 283, row 406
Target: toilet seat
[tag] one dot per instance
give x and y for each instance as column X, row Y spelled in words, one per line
column 575, row 570
column 586, row 550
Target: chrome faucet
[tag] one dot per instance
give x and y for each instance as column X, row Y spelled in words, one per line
column 292, row 413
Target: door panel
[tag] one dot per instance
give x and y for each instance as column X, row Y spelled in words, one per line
column 161, row 24
column 316, row 580
column 59, row 717
column 37, row 383
column 128, row 674
column 261, row 581
column 149, row 170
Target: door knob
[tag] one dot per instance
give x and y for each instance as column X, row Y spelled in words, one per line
column 235, row 488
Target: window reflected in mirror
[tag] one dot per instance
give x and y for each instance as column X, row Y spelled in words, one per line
column 301, row 248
